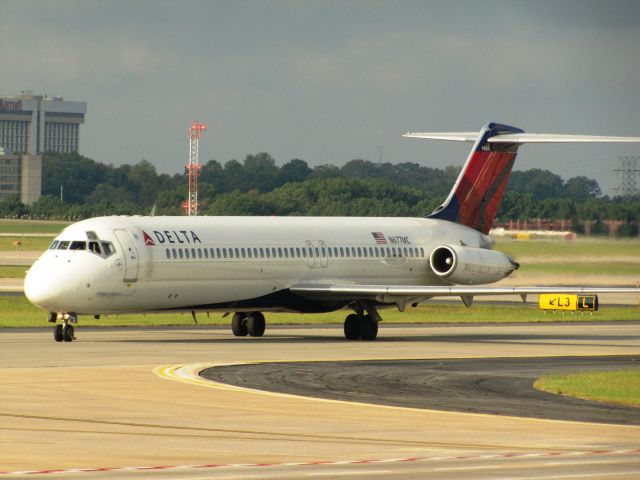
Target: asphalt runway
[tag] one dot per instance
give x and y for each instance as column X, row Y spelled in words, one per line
column 498, row 386
column 128, row 403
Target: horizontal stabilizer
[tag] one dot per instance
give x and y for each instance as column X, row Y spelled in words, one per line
column 521, row 137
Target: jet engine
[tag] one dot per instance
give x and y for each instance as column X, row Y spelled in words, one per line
column 469, row 265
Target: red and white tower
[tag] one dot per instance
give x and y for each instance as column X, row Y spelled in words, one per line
column 193, row 168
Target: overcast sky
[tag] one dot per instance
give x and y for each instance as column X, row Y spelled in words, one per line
column 330, row 81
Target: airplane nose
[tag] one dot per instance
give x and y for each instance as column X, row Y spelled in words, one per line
column 43, row 287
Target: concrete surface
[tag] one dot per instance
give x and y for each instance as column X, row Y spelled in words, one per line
column 97, row 403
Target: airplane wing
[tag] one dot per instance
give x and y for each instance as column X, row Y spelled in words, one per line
column 382, row 292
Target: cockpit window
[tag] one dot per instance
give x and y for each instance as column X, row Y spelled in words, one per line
column 78, row 245
column 107, row 249
column 63, row 245
column 54, row 245
column 95, row 248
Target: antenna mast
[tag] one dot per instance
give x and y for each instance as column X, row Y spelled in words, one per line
column 193, row 168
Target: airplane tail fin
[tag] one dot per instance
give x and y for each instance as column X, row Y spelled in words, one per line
column 476, row 195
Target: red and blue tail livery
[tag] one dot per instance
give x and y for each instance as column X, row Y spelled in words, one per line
column 476, row 195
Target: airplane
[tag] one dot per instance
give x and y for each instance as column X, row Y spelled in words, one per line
column 249, row 265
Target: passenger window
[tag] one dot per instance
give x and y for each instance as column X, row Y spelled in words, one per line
column 273, row 253
column 341, row 252
column 186, row 253
column 180, row 252
column 364, row 250
column 347, row 251
column 206, row 253
column 249, row 252
column 317, row 252
column 359, row 252
column 230, row 253
column 421, row 252
column 324, row 252
column 243, row 253
column 255, row 253
column 237, row 253
column 304, row 253
column 167, row 252
column 175, row 254
column 212, row 253
column 298, row 252
column 267, row 252
column 193, row 253
column 279, row 252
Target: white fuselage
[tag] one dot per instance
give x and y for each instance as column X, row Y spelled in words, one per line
column 232, row 263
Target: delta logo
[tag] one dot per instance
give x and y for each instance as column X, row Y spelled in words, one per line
column 175, row 237
column 148, row 241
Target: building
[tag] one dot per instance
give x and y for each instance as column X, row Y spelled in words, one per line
column 29, row 126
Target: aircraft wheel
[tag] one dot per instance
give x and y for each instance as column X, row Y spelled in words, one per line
column 368, row 328
column 239, row 325
column 57, row 333
column 256, row 324
column 67, row 333
column 352, row 327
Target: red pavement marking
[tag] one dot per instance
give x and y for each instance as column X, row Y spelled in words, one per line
column 509, row 455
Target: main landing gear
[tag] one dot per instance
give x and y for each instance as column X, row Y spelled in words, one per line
column 63, row 332
column 248, row 323
column 362, row 325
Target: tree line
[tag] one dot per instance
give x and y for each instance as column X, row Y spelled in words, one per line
column 76, row 187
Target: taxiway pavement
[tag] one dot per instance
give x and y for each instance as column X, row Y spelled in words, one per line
column 99, row 403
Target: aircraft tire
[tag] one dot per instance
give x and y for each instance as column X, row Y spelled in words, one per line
column 368, row 328
column 352, row 327
column 256, row 324
column 239, row 325
column 58, row 336
column 67, row 333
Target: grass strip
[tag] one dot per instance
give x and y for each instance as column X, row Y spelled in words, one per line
column 13, row 271
column 16, row 311
column 31, row 226
column 28, row 244
column 619, row 387
column 565, row 248
column 591, row 268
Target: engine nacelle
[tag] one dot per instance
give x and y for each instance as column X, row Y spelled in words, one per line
column 469, row 265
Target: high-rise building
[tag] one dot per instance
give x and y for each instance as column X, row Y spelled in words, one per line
column 29, row 126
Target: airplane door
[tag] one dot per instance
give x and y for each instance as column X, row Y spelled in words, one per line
column 317, row 253
column 130, row 255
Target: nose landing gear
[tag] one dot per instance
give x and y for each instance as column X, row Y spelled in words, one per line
column 64, row 331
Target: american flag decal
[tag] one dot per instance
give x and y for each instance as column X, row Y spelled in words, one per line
column 379, row 237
